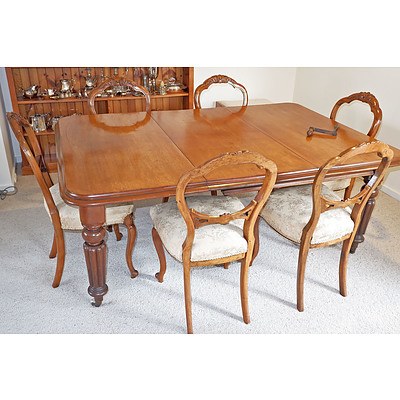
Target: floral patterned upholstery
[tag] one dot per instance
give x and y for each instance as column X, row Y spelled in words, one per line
column 289, row 210
column 69, row 215
column 338, row 184
column 211, row 241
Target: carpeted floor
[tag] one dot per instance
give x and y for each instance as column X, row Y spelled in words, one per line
column 28, row 303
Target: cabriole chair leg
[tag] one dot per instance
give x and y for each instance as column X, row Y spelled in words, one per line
column 60, row 258
column 128, row 222
column 188, row 298
column 161, row 255
column 53, row 251
column 118, row 234
column 244, row 296
column 301, row 268
column 344, row 256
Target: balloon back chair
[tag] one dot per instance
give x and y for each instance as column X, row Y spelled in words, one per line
column 214, row 80
column 206, row 230
column 315, row 216
column 372, row 101
column 117, row 82
column 63, row 216
column 219, row 79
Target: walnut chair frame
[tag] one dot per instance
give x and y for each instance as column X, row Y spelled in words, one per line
column 34, row 155
column 372, row 101
column 216, row 79
column 322, row 204
column 117, row 82
column 195, row 220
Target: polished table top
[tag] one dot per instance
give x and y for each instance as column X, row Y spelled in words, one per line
column 111, row 158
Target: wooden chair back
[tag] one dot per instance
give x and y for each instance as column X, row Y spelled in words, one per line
column 367, row 98
column 216, row 79
column 358, row 201
column 33, row 153
column 249, row 213
column 112, row 82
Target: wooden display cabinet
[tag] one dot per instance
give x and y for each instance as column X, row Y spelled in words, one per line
column 20, row 78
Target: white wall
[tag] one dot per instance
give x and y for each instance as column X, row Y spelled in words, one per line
column 7, row 163
column 8, row 107
column 275, row 84
column 320, row 88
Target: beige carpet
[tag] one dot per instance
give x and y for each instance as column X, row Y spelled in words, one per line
column 30, row 305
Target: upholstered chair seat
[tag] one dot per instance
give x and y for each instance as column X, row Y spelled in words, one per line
column 69, row 215
column 210, row 241
column 339, row 184
column 289, row 210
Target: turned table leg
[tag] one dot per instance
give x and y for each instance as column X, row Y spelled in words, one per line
column 93, row 219
column 369, row 207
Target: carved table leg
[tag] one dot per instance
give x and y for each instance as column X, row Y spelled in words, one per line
column 369, row 207
column 95, row 249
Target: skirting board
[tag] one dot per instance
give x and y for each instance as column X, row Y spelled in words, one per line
column 391, row 192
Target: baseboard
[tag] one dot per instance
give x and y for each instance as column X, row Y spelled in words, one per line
column 392, row 193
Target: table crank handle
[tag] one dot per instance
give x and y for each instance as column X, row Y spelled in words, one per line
column 311, row 130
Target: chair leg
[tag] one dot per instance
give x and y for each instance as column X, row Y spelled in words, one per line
column 161, row 255
column 349, row 189
column 59, row 234
column 256, row 248
column 118, row 234
column 188, row 298
column 130, row 226
column 301, row 268
column 244, row 283
column 53, row 251
column 344, row 256
column 214, row 192
column 165, row 199
column 109, row 228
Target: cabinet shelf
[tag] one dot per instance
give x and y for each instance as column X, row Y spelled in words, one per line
column 40, row 100
column 50, row 160
column 44, row 133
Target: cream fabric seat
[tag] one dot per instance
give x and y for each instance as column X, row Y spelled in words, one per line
column 338, row 184
column 289, row 210
column 69, row 215
column 211, row 241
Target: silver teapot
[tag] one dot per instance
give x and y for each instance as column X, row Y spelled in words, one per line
column 49, row 92
column 31, row 91
column 90, row 81
column 39, row 122
column 66, row 85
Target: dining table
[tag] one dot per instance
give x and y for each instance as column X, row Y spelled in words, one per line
column 111, row 159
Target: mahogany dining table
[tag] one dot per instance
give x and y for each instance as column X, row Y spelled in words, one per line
column 109, row 159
